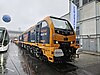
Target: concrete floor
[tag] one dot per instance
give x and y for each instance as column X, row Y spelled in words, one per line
column 17, row 61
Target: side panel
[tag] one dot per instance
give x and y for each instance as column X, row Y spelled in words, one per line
column 25, row 37
column 45, row 35
column 32, row 35
column 29, row 36
column 38, row 33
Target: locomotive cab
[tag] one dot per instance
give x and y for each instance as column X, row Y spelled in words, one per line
column 58, row 39
column 64, row 40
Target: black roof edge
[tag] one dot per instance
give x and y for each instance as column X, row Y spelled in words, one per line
column 58, row 18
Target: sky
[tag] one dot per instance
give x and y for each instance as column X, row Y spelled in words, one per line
column 25, row 13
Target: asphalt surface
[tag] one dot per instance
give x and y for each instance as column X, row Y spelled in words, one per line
column 17, row 61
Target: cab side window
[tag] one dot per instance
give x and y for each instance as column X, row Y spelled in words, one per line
column 44, row 24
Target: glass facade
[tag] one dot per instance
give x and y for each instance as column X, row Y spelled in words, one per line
column 77, row 30
column 87, row 1
column 76, row 2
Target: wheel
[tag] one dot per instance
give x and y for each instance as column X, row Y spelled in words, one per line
column 38, row 52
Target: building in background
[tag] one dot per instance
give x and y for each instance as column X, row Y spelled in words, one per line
column 14, row 34
column 88, row 23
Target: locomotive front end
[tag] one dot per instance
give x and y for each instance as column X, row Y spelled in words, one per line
column 64, row 40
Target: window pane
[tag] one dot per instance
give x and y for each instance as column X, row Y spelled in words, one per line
column 85, row 1
column 77, row 30
column 1, row 33
column 98, row 0
column 78, row 15
column 90, row 0
column 61, row 24
column 76, row 2
column 44, row 24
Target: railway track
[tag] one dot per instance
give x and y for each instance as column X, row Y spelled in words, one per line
column 59, row 67
column 63, row 67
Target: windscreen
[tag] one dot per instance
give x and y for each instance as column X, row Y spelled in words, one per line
column 61, row 24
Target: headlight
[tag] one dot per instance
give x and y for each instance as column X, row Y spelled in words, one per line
column 56, row 42
column 58, row 53
column 72, row 42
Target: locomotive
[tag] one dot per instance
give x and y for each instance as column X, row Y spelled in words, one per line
column 52, row 39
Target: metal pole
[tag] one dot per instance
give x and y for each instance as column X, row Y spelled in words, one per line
column 96, row 23
column 70, row 8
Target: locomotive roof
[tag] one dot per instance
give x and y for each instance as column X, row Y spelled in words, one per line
column 58, row 18
column 28, row 29
column 41, row 20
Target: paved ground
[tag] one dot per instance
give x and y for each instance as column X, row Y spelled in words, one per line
column 18, row 62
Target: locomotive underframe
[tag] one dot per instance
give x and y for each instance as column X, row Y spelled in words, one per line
column 69, row 52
